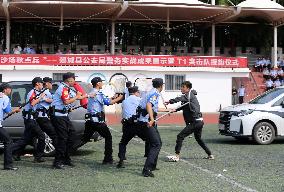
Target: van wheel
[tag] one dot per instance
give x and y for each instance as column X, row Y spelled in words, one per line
column 263, row 133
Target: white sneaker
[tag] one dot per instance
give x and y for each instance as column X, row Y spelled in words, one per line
column 173, row 158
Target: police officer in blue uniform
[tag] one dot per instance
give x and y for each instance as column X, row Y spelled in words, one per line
column 32, row 129
column 62, row 99
column 43, row 110
column 5, row 107
column 130, row 113
column 146, row 121
column 128, row 84
column 95, row 118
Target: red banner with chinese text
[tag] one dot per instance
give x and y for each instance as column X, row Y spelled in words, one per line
column 125, row 60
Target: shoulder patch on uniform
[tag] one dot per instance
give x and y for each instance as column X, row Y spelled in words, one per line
column 65, row 93
column 153, row 98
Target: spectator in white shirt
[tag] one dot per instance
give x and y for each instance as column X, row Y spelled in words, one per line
column 266, row 73
column 58, row 52
column 269, row 84
column 280, row 73
column 277, row 83
column 268, row 63
column 257, row 65
column 6, row 51
column 17, row 50
column 273, row 73
column 241, row 92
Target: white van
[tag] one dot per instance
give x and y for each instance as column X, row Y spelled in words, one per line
column 262, row 118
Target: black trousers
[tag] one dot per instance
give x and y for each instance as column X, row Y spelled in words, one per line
column 129, row 131
column 91, row 127
column 155, row 144
column 196, row 128
column 47, row 127
column 65, row 138
column 7, row 141
column 32, row 130
column 241, row 99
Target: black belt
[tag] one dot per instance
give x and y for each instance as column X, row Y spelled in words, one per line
column 63, row 111
column 43, row 110
column 100, row 116
column 30, row 114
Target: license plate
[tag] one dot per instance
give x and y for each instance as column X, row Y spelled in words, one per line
column 221, row 127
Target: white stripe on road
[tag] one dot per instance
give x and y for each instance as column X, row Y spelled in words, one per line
column 220, row 176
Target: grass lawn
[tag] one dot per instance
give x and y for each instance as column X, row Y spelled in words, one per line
column 239, row 166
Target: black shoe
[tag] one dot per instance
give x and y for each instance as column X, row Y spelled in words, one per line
column 105, row 162
column 146, row 155
column 11, row 168
column 17, row 157
column 147, row 173
column 58, row 166
column 69, row 163
column 39, row 160
column 120, row 165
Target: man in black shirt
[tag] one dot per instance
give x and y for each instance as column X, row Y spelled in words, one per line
column 234, row 96
column 193, row 119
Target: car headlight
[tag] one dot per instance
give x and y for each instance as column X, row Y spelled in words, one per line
column 244, row 112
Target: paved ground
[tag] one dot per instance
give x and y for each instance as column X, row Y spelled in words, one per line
column 239, row 166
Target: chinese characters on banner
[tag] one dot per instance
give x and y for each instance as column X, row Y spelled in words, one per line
column 124, row 60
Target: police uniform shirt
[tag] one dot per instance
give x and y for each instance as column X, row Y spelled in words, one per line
column 61, row 94
column 263, row 63
column 96, row 104
column 273, row 73
column 32, row 95
column 277, row 83
column 153, row 98
column 129, row 106
column 43, row 104
column 265, row 72
column 269, row 83
column 257, row 63
column 5, row 106
column 126, row 92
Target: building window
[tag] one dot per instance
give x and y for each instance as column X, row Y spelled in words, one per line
column 0, row 78
column 57, row 76
column 173, row 82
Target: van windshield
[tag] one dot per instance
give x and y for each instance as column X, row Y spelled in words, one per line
column 267, row 96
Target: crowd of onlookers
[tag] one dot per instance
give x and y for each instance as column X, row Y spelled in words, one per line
column 273, row 76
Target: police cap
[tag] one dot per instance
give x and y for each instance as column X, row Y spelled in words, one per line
column 47, row 80
column 157, row 82
column 68, row 75
column 133, row 89
column 37, row 80
column 128, row 84
column 4, row 86
column 95, row 80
